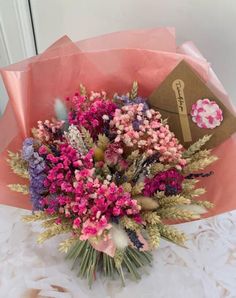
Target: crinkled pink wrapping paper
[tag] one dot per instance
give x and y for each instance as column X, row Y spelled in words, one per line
column 110, row 62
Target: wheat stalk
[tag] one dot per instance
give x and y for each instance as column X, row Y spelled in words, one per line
column 17, row 164
column 134, row 90
column 196, row 146
column 24, row 189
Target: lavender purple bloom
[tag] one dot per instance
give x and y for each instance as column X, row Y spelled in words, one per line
column 36, row 172
column 126, row 100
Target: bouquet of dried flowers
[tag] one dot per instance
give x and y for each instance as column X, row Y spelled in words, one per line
column 111, row 175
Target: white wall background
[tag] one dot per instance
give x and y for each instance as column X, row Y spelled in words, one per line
column 211, row 24
column 16, row 39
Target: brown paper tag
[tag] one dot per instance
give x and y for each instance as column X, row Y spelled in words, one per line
column 178, row 87
column 174, row 99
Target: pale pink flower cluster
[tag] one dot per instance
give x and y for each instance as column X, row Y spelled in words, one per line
column 206, row 113
column 95, row 95
column 46, row 130
column 142, row 129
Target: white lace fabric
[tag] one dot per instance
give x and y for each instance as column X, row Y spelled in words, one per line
column 205, row 269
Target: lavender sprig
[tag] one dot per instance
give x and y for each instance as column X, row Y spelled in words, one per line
column 37, row 176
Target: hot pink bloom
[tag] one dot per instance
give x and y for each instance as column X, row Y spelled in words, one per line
column 113, row 154
column 92, row 113
column 76, row 223
column 95, row 228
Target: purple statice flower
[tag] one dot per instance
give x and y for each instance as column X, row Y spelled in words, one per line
column 125, row 100
column 169, row 181
column 136, row 123
column 36, row 167
column 28, row 149
column 138, row 100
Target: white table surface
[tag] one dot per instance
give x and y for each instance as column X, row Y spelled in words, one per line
column 207, row 269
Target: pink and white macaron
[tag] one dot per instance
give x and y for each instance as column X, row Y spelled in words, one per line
column 206, row 113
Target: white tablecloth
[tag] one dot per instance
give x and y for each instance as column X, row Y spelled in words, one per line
column 206, row 269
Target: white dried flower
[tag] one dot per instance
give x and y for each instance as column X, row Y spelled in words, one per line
column 60, row 109
column 119, row 237
column 75, row 139
column 108, row 177
column 105, row 117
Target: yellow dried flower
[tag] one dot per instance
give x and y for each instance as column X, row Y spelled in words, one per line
column 127, row 187
column 196, row 146
column 200, row 155
column 39, row 215
column 48, row 223
column 34, row 132
column 103, row 141
column 133, row 156
column 134, row 91
column 172, row 234
column 24, row 189
column 177, row 214
column 129, row 223
column 151, row 217
column 205, row 204
column 65, row 245
column 83, row 91
column 130, row 172
column 106, row 170
column 137, row 188
column 199, row 164
column 155, row 168
column 118, row 257
column 98, row 154
column 173, row 201
column 159, row 194
column 188, row 185
column 153, row 236
column 53, row 231
column 17, row 164
column 146, row 203
column 88, row 140
column 197, row 192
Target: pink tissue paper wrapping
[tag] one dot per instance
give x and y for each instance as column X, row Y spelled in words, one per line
column 110, row 62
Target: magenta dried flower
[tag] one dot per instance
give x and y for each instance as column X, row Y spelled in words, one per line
column 92, row 113
column 169, row 181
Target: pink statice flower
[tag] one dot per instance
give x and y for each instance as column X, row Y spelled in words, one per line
column 95, row 202
column 140, row 128
column 113, row 153
column 49, row 131
column 61, row 174
column 94, row 228
column 81, row 197
column 92, row 112
column 114, row 156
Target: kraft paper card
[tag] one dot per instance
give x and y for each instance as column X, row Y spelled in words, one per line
column 175, row 98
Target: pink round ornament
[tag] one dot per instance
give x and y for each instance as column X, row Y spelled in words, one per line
column 206, row 113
